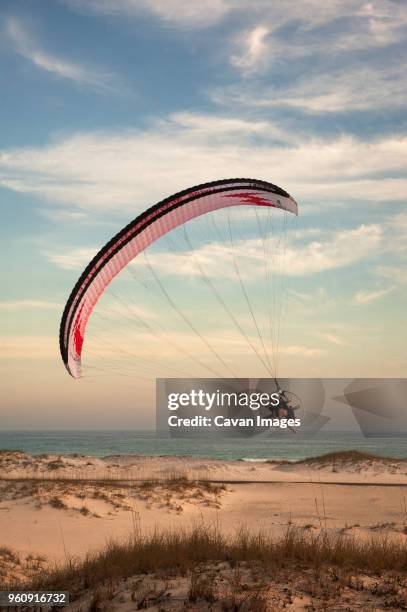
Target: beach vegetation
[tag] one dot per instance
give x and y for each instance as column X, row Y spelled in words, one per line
column 184, row 550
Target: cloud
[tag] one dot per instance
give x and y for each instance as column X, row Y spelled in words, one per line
column 274, row 36
column 397, row 229
column 329, row 57
column 371, row 23
column 74, row 259
column 338, row 90
column 131, row 170
column 302, row 351
column 255, row 51
column 126, row 353
column 398, row 274
column 217, row 260
column 365, row 297
column 182, row 13
column 223, row 127
column 332, row 338
column 28, row 305
column 341, row 249
column 310, row 27
column 169, row 345
column 58, row 66
column 310, row 305
column 65, row 215
column 28, row 347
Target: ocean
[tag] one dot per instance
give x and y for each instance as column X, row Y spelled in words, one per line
column 103, row 443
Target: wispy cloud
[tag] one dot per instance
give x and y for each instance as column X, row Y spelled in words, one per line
column 28, row 48
column 28, row 347
column 28, row 305
column 140, row 344
column 254, row 53
column 309, row 26
column 182, row 13
column 332, row 338
column 338, row 90
column 65, row 215
column 217, row 260
column 377, row 22
column 206, row 126
column 365, row 297
column 338, row 250
column 302, row 351
column 397, row 229
column 285, row 55
column 397, row 274
column 102, row 171
column 74, row 259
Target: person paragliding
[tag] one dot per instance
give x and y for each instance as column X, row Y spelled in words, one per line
column 285, row 406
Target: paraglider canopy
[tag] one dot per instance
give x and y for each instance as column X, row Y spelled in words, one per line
column 144, row 230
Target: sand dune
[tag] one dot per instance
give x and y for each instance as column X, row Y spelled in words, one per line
column 335, row 468
column 65, row 505
column 54, row 508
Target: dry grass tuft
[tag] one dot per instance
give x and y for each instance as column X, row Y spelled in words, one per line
column 57, row 502
column 183, row 550
column 340, row 457
column 345, row 456
column 201, row 587
column 8, row 555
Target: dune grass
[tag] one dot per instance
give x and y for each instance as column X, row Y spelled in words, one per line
column 348, row 455
column 183, row 550
column 352, row 455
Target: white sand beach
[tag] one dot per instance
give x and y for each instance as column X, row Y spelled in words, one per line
column 64, row 506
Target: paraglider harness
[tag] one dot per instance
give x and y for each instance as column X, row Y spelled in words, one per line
column 284, row 403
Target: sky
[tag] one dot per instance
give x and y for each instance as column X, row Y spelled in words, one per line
column 108, row 106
